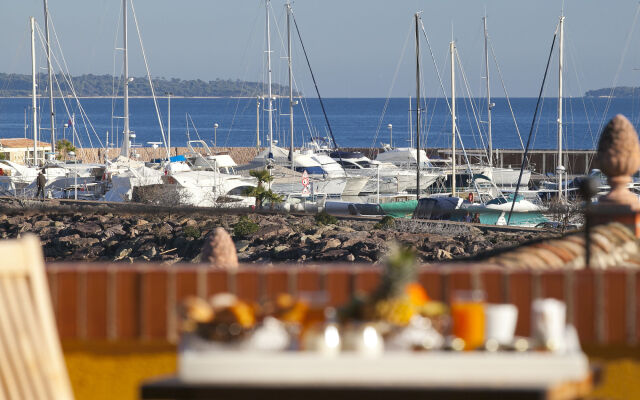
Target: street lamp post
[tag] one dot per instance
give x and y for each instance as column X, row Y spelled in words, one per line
column 390, row 134
column 378, row 187
column 215, row 134
column 72, row 154
column 64, row 131
column 169, row 94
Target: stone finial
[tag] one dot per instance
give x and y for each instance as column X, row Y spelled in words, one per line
column 618, row 158
column 219, row 250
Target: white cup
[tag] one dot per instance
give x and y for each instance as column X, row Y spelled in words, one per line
column 549, row 322
column 500, row 322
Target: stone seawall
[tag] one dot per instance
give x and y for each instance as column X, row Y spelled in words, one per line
column 99, row 234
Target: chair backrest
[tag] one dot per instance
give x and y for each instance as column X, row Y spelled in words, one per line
column 31, row 361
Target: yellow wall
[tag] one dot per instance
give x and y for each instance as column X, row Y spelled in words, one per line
column 106, row 371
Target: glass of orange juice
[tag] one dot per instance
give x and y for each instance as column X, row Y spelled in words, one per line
column 467, row 314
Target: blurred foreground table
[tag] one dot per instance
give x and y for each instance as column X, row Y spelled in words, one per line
column 435, row 375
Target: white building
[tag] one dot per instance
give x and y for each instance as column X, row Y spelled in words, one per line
column 20, row 150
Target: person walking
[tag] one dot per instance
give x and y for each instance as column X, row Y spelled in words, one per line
column 41, row 180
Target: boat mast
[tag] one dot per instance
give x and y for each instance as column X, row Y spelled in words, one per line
column 51, row 106
column 560, row 167
column 258, row 122
column 410, row 125
column 34, row 107
column 270, row 101
column 489, row 105
column 290, row 83
column 417, row 109
column 452, row 50
column 125, row 142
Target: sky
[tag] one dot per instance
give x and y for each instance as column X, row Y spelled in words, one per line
column 355, row 46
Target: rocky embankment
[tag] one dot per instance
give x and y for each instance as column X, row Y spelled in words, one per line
column 108, row 236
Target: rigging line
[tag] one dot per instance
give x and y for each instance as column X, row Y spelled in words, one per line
column 393, row 83
column 470, row 100
column 67, row 79
column 114, row 88
column 153, row 93
column 575, row 70
column 66, row 74
column 194, row 126
column 244, row 83
column 444, row 92
column 295, row 23
column 243, row 59
column 617, row 75
column 533, row 123
column 504, row 88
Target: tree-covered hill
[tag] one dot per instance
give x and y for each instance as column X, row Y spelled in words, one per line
column 619, row 91
column 89, row 85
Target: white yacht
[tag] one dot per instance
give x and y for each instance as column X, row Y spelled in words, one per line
column 392, row 179
column 407, row 159
column 204, row 179
column 287, row 175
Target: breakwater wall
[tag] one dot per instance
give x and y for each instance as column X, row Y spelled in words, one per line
column 577, row 162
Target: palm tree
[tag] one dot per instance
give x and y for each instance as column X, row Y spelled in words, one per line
column 259, row 192
column 262, row 175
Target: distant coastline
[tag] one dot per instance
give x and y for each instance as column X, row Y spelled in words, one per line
column 616, row 92
column 107, row 86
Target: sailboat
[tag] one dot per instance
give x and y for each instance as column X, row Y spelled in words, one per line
column 124, row 173
column 287, row 167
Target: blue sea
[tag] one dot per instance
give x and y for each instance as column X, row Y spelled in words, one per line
column 355, row 122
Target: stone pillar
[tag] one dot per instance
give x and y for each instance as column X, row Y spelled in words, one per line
column 618, row 157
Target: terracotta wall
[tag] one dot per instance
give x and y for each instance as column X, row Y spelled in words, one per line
column 139, row 302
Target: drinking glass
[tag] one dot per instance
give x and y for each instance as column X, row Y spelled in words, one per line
column 467, row 314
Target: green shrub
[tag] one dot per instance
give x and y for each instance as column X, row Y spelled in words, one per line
column 192, row 231
column 325, row 219
column 244, row 227
column 387, row 222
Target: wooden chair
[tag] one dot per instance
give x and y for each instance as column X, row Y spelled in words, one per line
column 31, row 361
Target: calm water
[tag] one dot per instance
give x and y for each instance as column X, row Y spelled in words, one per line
column 355, row 122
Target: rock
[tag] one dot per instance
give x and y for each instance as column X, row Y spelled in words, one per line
column 350, row 257
column 120, row 254
column 58, row 224
column 270, row 232
column 280, row 248
column 442, row 254
column 115, row 230
column 88, row 228
column 331, row 244
column 85, row 242
column 26, row 227
column 41, row 224
column 242, row 245
column 219, row 250
column 333, row 255
column 69, row 239
column 141, row 222
column 15, row 220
